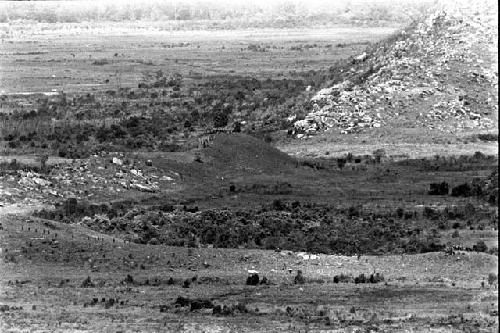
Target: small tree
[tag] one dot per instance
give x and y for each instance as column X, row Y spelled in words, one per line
column 43, row 162
column 220, row 119
column 379, row 154
column 341, row 163
column 480, row 246
column 349, row 157
column 299, row 278
column 492, row 278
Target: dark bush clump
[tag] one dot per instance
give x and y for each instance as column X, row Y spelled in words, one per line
column 253, row 280
column 462, row 190
column 201, row 304
column 128, row 279
column 342, row 278
column 492, row 278
column 87, row 283
column 299, row 278
column 480, row 246
column 439, row 188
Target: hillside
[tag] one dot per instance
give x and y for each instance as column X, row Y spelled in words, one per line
column 439, row 74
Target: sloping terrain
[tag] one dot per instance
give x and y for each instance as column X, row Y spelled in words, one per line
column 63, row 277
column 441, row 73
column 238, row 152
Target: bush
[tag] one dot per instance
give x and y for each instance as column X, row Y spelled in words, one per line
column 353, row 211
column 220, row 120
column 342, row 278
column 376, row 278
column 480, row 246
column 128, row 279
column 201, row 304
column 492, row 279
column 87, row 283
column 430, row 213
column 299, row 278
column 360, row 279
column 488, row 137
column 462, row 190
column 439, row 188
column 379, row 154
column 253, row 280
column 277, row 204
column 186, row 283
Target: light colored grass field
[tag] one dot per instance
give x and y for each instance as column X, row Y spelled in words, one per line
column 43, row 60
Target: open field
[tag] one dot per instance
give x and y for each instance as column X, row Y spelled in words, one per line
column 79, row 61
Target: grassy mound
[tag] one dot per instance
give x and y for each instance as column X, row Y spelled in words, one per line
column 240, row 152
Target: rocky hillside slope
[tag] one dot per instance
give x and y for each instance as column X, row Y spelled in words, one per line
column 441, row 73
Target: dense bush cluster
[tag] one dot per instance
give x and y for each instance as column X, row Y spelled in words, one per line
column 158, row 115
column 281, row 225
column 291, row 226
column 482, row 188
column 450, row 163
column 439, row 189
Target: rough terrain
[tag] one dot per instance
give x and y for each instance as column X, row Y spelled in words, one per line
column 150, row 183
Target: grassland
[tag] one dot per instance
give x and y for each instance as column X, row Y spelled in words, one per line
column 420, row 292
column 82, row 60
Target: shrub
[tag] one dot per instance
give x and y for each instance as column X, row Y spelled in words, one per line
column 182, row 301
column 488, row 137
column 241, row 307
column 342, row 278
column 353, row 211
column 480, row 246
column 462, row 190
column 360, row 278
column 492, row 278
column 341, row 163
column 349, row 157
column 493, row 251
column 430, row 213
column 277, row 204
column 220, row 120
column 379, row 154
column 439, row 188
column 376, row 278
column 128, row 279
column 87, row 283
column 237, row 127
column 299, row 278
column 253, row 280
column 201, row 304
